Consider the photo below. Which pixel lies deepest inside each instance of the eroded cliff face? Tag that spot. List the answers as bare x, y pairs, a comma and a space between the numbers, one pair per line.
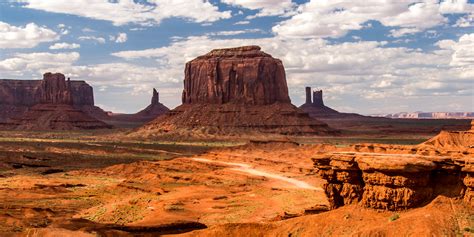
50, 106
400, 177
238, 75
31, 92
55, 89
234, 91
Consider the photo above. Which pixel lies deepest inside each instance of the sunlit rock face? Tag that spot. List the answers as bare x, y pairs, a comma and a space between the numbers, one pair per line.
234, 91
244, 75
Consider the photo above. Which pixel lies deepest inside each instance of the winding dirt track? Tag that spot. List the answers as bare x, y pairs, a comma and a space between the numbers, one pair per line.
242, 167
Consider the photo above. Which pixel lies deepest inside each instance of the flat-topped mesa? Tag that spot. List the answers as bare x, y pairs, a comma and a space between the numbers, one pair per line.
243, 75
53, 103
250, 51
31, 92
55, 89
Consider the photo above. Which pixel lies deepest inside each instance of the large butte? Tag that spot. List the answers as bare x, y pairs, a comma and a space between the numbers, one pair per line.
235, 90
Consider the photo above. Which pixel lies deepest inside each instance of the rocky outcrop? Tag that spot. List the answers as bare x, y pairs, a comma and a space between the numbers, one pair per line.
450, 142
31, 92
393, 182
153, 110
149, 113
55, 89
235, 90
16, 96
400, 177
237, 75
315, 107
54, 117
55, 108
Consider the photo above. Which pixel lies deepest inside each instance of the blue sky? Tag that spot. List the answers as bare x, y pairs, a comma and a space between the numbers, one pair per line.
368, 56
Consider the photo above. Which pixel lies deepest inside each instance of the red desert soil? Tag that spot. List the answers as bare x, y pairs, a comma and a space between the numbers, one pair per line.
258, 189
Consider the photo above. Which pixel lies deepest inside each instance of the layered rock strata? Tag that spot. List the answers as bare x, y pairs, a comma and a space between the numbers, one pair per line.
232, 90
16, 96
55, 109
394, 181
243, 75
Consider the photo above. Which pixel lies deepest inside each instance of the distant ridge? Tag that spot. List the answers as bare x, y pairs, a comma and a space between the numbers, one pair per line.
429, 115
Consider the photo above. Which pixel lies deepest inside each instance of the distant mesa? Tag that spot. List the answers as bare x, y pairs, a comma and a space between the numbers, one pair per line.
429, 115
232, 90
47, 104
16, 96
314, 106
22, 100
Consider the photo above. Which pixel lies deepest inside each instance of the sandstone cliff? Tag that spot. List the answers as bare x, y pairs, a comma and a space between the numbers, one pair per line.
235, 90
53, 108
400, 177
30, 92
238, 75
16, 96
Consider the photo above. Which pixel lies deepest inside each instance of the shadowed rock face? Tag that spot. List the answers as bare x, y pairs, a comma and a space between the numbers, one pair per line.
55, 89
239, 75
51, 105
31, 92
155, 99
314, 106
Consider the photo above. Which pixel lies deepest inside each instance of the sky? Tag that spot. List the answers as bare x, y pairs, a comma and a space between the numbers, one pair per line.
369, 57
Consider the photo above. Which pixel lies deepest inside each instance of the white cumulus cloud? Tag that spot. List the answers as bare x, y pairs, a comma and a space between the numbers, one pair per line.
265, 7
122, 12
64, 46
322, 18
99, 40
121, 38
28, 36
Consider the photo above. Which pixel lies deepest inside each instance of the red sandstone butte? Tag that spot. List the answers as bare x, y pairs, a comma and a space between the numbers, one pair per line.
54, 108
16, 96
238, 75
235, 89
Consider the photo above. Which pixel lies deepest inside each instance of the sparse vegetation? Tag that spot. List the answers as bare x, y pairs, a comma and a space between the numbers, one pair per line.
394, 217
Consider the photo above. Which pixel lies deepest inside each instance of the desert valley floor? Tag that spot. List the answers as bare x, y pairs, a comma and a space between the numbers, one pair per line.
104, 182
